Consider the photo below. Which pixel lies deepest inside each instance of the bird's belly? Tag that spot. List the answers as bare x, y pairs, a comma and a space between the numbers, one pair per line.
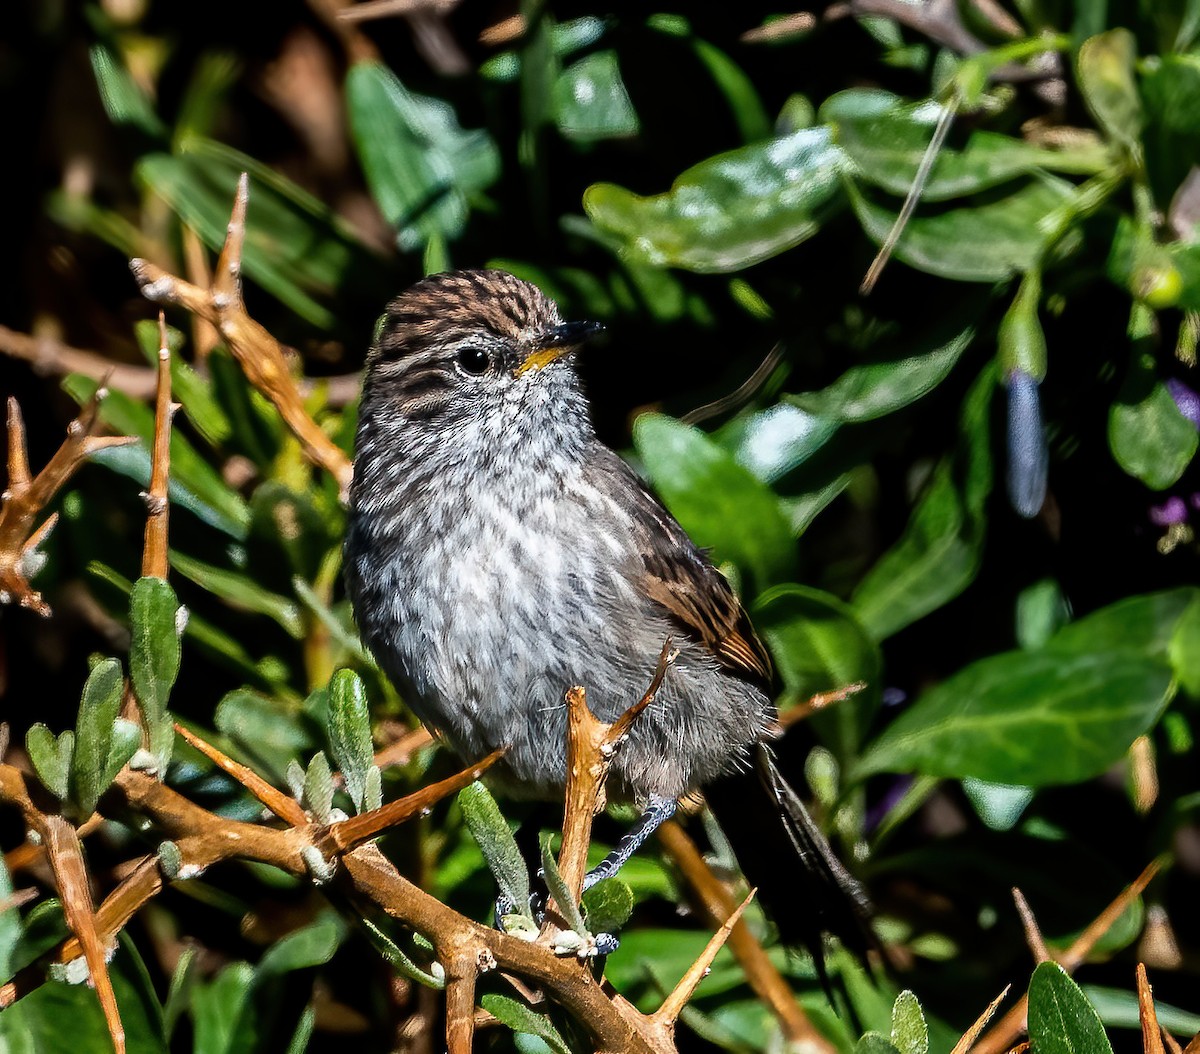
489, 628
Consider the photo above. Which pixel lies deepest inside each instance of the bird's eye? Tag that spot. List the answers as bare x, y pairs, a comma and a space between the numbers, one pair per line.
474, 360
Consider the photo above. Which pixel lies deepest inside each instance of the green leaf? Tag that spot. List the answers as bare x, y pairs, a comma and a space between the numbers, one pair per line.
1150, 439
520, 1018
608, 905
311, 945
886, 138
1027, 718
195, 484
1061, 1020
51, 757
1105, 68
999, 805
1184, 649
557, 888
818, 645
1118, 1008
864, 393
296, 248
124, 101
1041, 610
489, 828
775, 441
590, 100
126, 741
154, 654
939, 553
241, 592
350, 733
318, 788
989, 242
875, 1043
1142, 626
98, 710
222, 1012
719, 503
729, 211
266, 729
396, 957
420, 164
910, 1034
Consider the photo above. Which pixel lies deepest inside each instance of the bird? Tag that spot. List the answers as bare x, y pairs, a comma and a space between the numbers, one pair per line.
498, 552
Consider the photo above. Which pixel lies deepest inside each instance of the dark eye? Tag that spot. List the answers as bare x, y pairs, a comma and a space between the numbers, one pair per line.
474, 360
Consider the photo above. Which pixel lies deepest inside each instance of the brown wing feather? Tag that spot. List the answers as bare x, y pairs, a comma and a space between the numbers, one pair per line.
695, 594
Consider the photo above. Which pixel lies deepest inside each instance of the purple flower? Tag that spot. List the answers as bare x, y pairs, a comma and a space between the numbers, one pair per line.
1186, 399
1027, 456
1173, 510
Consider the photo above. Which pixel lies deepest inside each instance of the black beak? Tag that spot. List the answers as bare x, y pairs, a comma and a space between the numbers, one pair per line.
568, 335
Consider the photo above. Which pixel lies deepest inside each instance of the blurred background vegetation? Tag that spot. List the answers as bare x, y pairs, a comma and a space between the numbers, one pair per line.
969, 488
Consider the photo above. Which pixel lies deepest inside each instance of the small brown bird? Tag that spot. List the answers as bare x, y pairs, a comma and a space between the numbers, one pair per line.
499, 553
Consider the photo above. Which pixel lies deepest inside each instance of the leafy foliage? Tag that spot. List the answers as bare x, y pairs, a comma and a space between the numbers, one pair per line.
972, 490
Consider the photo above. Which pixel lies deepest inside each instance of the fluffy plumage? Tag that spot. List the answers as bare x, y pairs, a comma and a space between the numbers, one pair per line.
499, 553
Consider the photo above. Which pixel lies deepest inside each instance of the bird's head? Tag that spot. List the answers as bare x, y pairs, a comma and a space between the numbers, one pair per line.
472, 345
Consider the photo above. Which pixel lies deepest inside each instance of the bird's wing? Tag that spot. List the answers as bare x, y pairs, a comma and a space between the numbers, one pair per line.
680, 578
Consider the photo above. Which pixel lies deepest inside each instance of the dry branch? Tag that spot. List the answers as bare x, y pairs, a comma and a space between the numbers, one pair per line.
718, 904
259, 354
968, 1038
26, 496
154, 545
1002, 1037
1152, 1040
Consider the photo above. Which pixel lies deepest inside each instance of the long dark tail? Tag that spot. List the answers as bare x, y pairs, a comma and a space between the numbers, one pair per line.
801, 884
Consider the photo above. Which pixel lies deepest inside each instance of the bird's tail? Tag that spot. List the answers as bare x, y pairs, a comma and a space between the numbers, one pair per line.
801, 884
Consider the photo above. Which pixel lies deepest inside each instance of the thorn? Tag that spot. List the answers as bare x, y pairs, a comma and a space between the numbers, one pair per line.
18, 455
968, 1038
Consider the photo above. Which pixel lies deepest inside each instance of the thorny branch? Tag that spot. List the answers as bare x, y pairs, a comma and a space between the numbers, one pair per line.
27, 495
259, 354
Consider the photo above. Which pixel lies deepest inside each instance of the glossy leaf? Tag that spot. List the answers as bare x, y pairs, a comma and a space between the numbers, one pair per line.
719, 503
886, 138
939, 553
311, 945
1028, 718
265, 729
491, 831
1150, 439
774, 441
866, 392
988, 242
350, 733
729, 211
419, 162
590, 100
154, 654
1143, 626
1184, 649
1118, 1008
1061, 1020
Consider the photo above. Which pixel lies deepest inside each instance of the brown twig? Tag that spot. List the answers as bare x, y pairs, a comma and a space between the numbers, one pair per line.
346, 834
718, 905
1152, 1041
1033, 932
26, 496
460, 1005
154, 545
968, 1038
259, 354
1002, 1036
803, 711
668, 1013
53, 358
283, 806
70, 873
